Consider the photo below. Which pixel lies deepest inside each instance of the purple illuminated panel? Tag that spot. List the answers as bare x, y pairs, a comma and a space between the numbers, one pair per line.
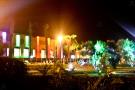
4, 37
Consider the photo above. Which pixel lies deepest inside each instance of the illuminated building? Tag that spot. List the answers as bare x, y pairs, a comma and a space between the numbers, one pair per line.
4, 43
38, 47
24, 46
53, 48
21, 45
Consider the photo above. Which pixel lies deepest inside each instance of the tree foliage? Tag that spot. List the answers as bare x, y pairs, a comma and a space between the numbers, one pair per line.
126, 48
70, 44
86, 48
99, 47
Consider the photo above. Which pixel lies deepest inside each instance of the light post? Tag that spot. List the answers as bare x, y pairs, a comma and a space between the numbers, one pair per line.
60, 49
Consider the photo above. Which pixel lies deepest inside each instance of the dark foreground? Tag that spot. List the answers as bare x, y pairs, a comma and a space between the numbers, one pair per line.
67, 83
14, 76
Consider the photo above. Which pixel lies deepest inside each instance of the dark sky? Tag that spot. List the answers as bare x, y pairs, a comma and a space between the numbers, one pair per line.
89, 19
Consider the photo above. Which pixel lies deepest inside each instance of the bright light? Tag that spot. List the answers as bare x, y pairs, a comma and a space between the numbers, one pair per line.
70, 67
26, 62
60, 38
72, 56
113, 72
60, 46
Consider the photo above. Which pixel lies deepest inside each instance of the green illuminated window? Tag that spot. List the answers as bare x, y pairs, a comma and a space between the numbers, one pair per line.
26, 53
17, 52
17, 40
27, 40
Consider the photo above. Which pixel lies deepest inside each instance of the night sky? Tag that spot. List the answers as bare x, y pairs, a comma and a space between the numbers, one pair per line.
89, 19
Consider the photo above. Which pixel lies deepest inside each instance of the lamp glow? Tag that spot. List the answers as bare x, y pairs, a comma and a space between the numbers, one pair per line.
60, 38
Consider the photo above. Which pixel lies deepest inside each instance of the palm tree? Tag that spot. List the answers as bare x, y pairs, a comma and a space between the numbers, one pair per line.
99, 47
126, 49
70, 44
86, 48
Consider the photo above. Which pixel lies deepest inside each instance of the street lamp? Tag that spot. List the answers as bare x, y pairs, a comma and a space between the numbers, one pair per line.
60, 49
60, 38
